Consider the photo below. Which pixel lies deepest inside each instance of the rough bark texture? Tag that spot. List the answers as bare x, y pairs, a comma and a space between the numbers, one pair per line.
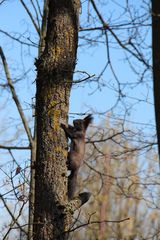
156, 63
55, 71
34, 146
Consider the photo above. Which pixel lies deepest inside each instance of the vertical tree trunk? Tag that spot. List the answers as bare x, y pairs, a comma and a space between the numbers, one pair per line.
34, 146
55, 72
156, 63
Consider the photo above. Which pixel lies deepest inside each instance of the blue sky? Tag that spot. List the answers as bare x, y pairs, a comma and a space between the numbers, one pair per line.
84, 97
92, 60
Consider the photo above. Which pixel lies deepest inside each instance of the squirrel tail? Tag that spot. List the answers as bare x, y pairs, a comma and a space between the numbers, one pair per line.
72, 182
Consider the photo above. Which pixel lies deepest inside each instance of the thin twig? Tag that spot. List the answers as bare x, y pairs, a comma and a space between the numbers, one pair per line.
43, 27
11, 214
17, 39
31, 17
97, 222
37, 17
14, 147
106, 27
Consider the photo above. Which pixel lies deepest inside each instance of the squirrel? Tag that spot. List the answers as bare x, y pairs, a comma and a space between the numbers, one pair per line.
77, 149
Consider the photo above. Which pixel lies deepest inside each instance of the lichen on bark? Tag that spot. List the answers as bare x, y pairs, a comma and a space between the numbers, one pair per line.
52, 217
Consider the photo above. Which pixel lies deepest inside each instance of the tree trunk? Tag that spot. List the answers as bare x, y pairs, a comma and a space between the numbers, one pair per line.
52, 217
34, 146
156, 63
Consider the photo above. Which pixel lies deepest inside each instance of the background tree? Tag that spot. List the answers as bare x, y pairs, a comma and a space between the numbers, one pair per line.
156, 61
123, 190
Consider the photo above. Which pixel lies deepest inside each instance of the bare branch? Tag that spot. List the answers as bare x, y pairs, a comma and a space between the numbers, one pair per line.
97, 222
15, 97
17, 39
11, 214
2, 1
106, 27
39, 9
31, 17
14, 147
43, 27
6, 193
36, 12
13, 223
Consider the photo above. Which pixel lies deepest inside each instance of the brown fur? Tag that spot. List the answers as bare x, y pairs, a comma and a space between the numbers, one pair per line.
77, 149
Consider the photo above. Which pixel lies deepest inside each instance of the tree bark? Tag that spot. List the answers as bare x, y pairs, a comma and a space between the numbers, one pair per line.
52, 217
34, 146
156, 64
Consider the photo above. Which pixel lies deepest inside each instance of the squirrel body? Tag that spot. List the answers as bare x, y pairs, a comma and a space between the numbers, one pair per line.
77, 149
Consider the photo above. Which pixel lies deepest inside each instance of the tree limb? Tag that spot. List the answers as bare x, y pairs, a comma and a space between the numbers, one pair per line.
97, 222
11, 214
106, 27
15, 97
14, 147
